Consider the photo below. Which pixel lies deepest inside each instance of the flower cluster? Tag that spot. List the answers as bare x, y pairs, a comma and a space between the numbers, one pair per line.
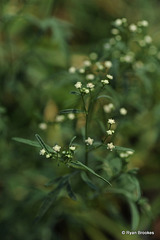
58, 154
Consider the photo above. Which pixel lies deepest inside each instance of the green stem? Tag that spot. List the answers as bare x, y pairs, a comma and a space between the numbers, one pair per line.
86, 130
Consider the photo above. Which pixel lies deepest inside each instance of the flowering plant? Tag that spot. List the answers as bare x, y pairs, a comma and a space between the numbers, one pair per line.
92, 154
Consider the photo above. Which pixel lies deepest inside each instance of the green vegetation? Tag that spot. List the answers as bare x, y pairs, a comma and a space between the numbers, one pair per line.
79, 119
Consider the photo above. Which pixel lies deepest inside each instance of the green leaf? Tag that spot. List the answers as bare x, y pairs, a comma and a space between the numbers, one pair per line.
80, 165
72, 140
42, 144
27, 141
86, 179
104, 96
52, 196
123, 149
134, 215
75, 93
71, 111
70, 191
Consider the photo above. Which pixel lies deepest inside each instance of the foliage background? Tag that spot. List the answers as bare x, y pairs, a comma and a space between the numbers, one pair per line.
39, 40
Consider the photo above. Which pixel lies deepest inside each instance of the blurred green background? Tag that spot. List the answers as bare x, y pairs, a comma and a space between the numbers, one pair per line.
39, 41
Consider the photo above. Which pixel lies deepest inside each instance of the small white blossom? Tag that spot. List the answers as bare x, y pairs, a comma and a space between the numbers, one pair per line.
59, 118
142, 43
108, 64
78, 85
48, 155
42, 152
81, 70
90, 85
118, 22
43, 126
108, 107
85, 90
118, 38
110, 146
133, 28
114, 31
148, 39
123, 155
89, 141
71, 116
143, 23
104, 81
57, 148
90, 76
111, 121
106, 46
99, 66
129, 152
72, 148
93, 56
109, 76
72, 70
123, 111
110, 132
87, 63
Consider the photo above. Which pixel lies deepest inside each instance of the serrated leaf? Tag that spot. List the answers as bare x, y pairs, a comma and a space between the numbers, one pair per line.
26, 141
71, 111
70, 192
80, 165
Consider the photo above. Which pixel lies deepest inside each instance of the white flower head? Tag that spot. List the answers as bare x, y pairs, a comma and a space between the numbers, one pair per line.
143, 23
105, 81
42, 152
85, 90
114, 31
123, 111
57, 148
90, 76
118, 38
72, 70
71, 116
90, 85
108, 107
48, 155
108, 64
89, 141
72, 148
148, 39
81, 70
111, 121
123, 155
99, 66
109, 76
133, 28
87, 63
107, 46
43, 126
110, 132
129, 152
93, 56
59, 118
78, 85
110, 146
118, 22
